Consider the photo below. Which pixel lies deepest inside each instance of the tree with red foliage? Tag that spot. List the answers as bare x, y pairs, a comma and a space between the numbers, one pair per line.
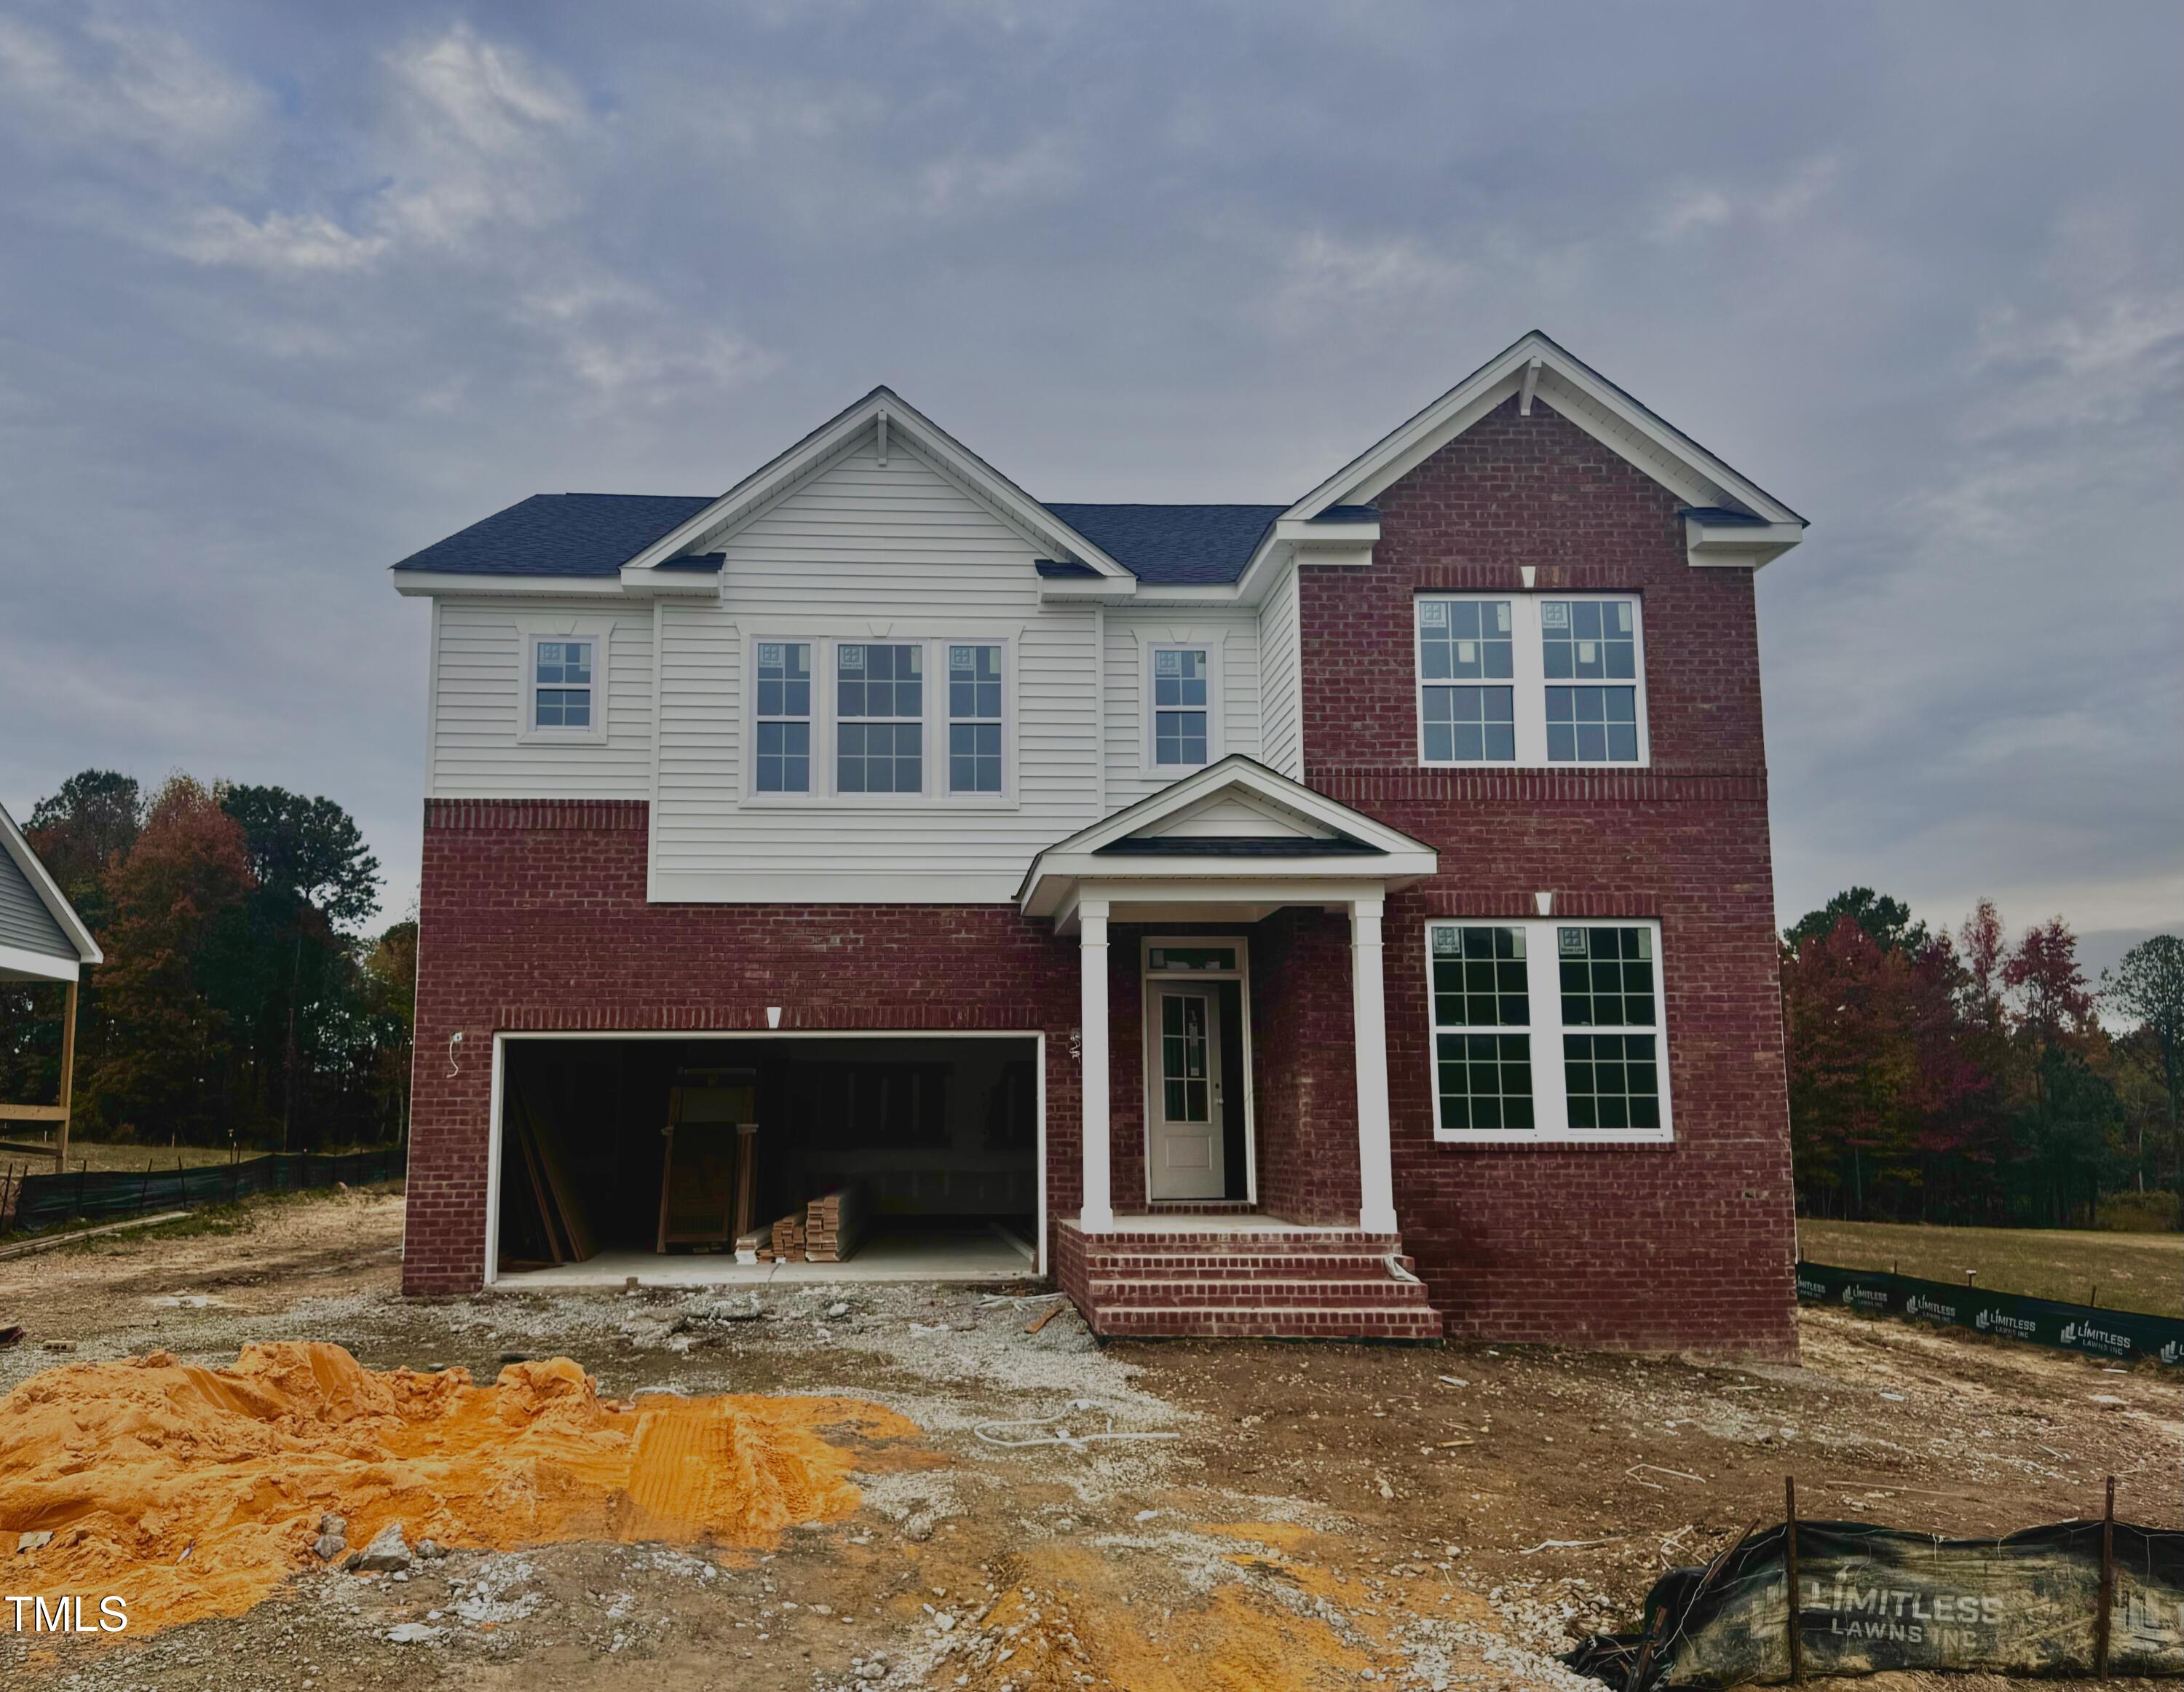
178, 899
1848, 1007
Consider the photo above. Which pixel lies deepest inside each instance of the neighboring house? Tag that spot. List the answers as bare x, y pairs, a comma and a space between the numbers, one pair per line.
1243, 904
42, 939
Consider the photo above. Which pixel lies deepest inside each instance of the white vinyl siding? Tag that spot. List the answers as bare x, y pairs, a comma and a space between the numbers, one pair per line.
482, 745
1232, 636
859, 552
1281, 679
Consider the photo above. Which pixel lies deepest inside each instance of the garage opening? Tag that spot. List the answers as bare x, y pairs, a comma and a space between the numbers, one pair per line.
705, 1160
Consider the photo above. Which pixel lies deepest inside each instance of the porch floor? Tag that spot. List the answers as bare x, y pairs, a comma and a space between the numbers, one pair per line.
888, 1255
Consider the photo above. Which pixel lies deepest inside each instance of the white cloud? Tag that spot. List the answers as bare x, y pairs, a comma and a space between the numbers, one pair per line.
1323, 277
277, 243
111, 81
1696, 208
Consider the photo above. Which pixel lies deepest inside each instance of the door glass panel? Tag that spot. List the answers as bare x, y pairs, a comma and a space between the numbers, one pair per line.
1185, 1085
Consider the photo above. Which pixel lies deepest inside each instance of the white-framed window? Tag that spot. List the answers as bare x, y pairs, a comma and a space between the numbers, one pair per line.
1531, 680
903, 721
565, 688
974, 718
1182, 703
784, 727
1547, 1030
879, 717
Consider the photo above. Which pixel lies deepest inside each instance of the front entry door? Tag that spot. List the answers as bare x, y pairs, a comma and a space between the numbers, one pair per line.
1186, 1111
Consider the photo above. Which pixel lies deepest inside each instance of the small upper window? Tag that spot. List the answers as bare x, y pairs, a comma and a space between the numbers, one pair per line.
974, 719
1180, 711
880, 719
561, 695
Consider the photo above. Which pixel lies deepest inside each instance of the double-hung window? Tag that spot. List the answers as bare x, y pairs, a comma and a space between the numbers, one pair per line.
974, 719
1531, 680
1182, 715
563, 697
1547, 1031
784, 717
1465, 648
879, 718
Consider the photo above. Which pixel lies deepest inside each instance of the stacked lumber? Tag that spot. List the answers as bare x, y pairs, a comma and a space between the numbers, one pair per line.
562, 1216
788, 1238
833, 1224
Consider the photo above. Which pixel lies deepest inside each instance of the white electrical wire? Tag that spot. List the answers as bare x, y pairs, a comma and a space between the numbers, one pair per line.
996, 1433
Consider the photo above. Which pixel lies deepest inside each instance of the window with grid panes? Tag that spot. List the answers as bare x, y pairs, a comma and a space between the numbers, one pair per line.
784, 717
1180, 721
561, 683
1596, 642
974, 719
1609, 1018
1464, 646
879, 711
1482, 1026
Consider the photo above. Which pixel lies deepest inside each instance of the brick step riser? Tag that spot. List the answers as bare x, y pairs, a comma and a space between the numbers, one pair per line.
1243, 1265
1249, 1324
1217, 1260
1242, 1274
1224, 1298
1243, 1287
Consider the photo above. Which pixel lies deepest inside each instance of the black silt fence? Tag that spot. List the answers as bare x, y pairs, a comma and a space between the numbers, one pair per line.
2120, 1336
43, 1201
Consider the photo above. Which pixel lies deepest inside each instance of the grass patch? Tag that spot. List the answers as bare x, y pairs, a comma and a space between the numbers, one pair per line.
2133, 1271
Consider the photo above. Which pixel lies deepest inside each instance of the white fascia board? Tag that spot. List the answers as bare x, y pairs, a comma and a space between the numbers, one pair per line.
1561, 375
1094, 590
678, 584
55, 901
1300, 532
1738, 546
19, 963
912, 428
1269, 890
416, 584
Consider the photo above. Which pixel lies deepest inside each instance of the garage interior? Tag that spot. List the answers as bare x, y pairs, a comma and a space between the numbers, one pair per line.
651, 1158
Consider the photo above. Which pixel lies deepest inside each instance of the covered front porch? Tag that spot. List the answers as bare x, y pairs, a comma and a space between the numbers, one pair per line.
1236, 1170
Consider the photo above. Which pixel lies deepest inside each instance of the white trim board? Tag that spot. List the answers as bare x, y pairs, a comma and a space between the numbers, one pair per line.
49, 894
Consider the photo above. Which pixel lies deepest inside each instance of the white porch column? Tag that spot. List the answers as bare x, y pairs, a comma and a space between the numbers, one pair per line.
1376, 1178
1097, 1216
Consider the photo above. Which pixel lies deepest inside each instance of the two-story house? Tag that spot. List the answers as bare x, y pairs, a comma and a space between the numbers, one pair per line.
1347, 917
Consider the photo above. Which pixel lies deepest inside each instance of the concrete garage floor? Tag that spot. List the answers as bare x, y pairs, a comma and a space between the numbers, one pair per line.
888, 1255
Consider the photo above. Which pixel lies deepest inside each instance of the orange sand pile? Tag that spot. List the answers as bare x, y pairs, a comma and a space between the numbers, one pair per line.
195, 1491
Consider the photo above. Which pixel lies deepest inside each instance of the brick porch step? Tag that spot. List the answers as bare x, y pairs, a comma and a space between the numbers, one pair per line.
1260, 1283
1418, 1323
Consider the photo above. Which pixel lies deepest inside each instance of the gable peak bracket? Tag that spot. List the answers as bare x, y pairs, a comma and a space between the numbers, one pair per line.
1531, 386
880, 422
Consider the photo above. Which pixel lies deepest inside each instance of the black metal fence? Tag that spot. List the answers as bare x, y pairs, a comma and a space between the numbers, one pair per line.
2120, 1336
30, 1202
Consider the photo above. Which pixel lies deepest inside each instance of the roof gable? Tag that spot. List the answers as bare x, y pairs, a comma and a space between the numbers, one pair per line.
1535, 365
41, 938
893, 424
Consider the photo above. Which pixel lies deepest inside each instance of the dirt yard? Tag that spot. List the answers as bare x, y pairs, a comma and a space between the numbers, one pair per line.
1325, 1517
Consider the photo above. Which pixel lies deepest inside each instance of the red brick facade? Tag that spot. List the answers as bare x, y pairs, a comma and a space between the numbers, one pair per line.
1682, 1246
534, 917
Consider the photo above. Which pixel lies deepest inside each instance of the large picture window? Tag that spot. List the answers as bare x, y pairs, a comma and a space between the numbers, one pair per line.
1531, 680
1546, 1030
899, 721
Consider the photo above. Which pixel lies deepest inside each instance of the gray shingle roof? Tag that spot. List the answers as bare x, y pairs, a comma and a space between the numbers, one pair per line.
559, 534
595, 534
1184, 544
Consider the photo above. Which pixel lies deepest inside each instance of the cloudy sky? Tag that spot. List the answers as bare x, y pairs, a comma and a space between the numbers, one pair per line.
288, 291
